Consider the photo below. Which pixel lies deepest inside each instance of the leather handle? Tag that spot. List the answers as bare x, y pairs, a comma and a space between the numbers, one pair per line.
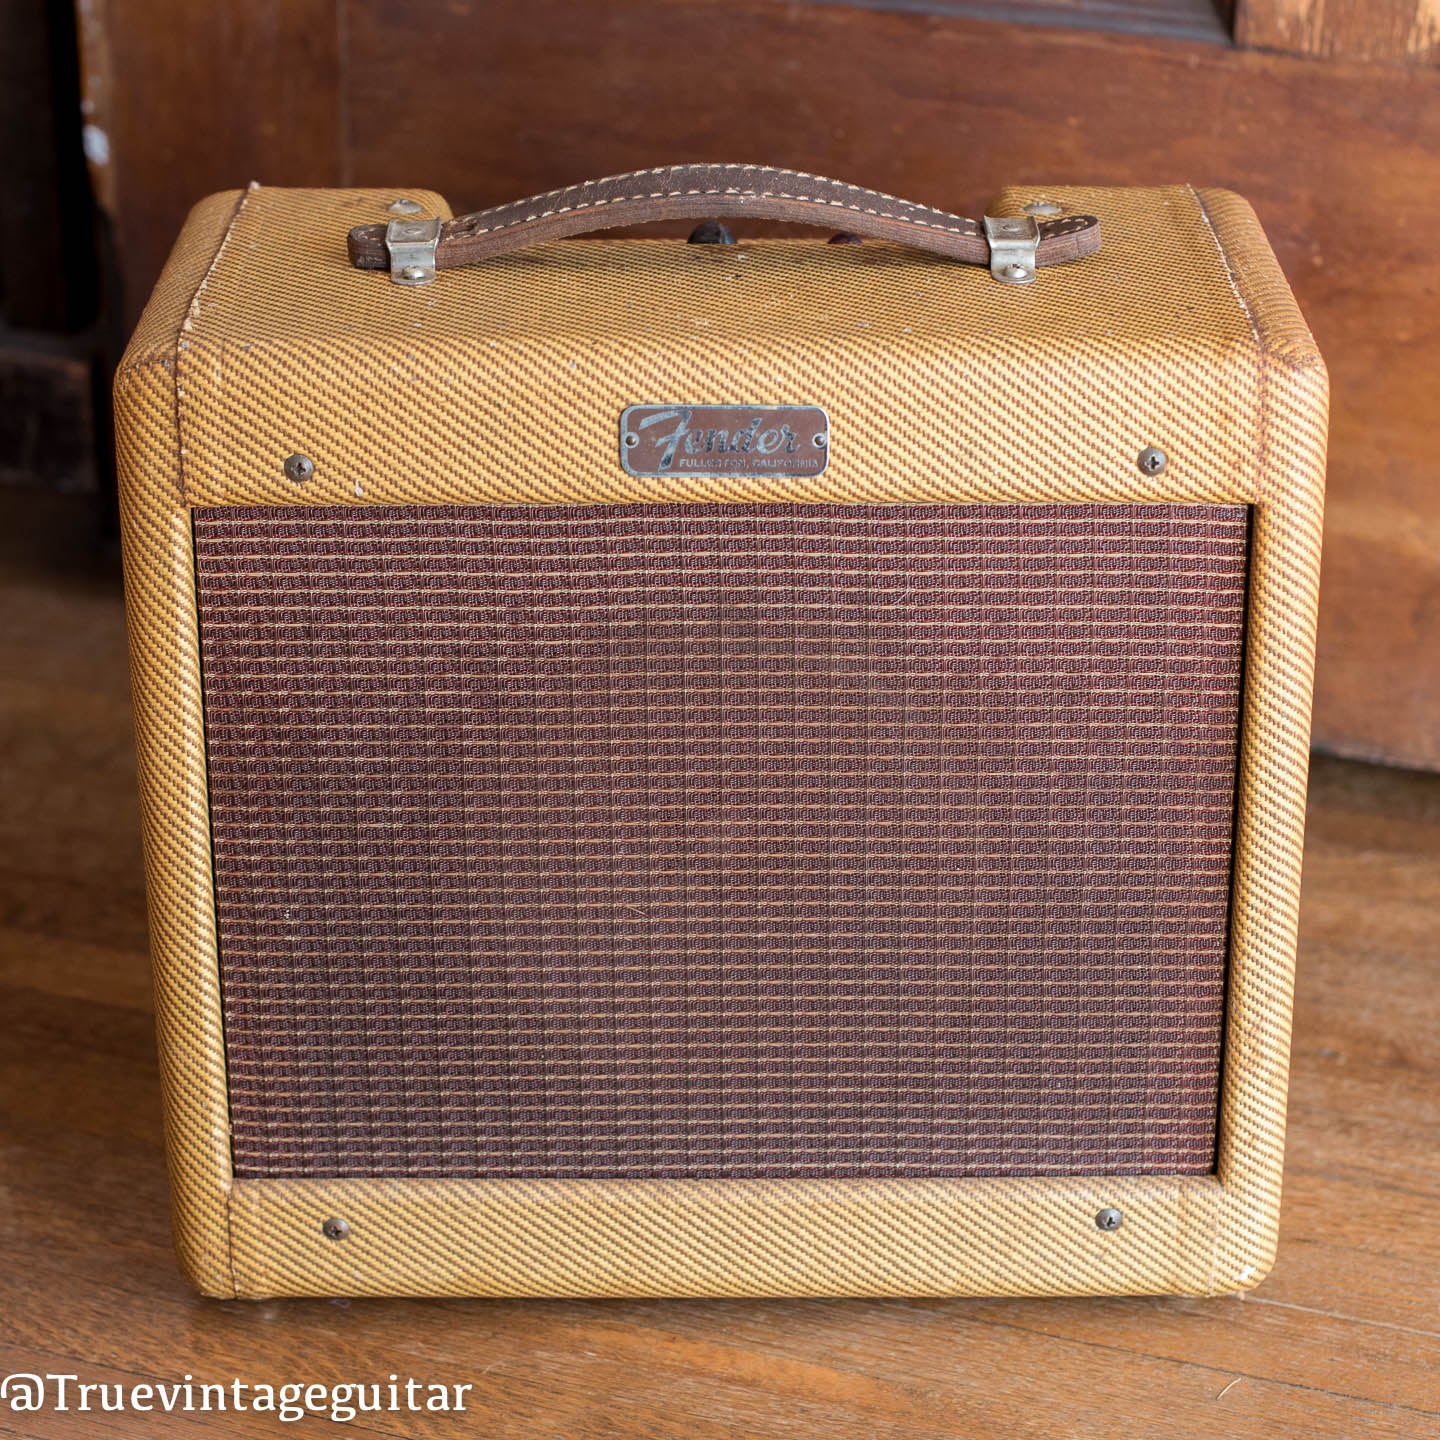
705, 192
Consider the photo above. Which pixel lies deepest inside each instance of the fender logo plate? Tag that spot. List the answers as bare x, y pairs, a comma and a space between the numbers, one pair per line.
723, 440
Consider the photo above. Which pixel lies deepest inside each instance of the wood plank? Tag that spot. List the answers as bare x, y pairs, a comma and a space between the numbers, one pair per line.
185, 99
1400, 30
1174, 19
29, 184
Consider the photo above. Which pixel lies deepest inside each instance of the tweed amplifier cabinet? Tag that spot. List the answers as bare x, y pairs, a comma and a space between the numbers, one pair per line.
760, 768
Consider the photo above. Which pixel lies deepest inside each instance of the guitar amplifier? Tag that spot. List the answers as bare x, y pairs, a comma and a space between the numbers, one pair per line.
764, 767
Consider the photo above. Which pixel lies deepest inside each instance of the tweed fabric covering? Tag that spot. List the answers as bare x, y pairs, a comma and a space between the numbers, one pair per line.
1225, 376
502, 383
702, 841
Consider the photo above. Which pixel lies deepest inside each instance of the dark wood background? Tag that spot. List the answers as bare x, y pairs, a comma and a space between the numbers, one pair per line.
1324, 113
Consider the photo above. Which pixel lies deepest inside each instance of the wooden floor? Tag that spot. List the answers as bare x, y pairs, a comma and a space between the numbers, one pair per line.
1342, 1340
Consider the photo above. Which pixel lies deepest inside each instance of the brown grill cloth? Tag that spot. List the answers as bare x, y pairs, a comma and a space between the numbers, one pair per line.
716, 840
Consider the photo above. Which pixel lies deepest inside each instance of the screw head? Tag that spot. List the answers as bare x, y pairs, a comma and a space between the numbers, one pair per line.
413, 272
1109, 1218
299, 468
631, 439
820, 440
1042, 207
1016, 272
404, 207
1152, 461
335, 1229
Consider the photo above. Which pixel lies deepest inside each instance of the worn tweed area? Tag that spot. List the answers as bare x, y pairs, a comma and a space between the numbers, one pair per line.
723, 841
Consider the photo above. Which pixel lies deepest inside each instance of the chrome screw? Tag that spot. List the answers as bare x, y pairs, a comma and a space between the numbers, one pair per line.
1151, 460
299, 468
1042, 207
335, 1229
1016, 272
404, 207
631, 440
820, 441
1109, 1218
414, 272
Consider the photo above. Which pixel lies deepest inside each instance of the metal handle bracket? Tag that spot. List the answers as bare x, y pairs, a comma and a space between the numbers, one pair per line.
1013, 243
411, 247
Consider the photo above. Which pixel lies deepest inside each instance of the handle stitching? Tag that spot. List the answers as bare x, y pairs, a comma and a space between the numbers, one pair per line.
768, 169
973, 231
